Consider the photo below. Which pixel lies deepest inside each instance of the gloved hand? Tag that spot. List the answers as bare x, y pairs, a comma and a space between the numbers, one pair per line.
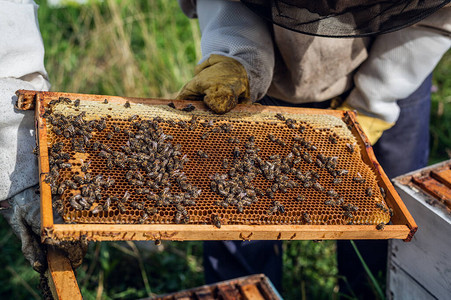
23, 214
373, 127
220, 81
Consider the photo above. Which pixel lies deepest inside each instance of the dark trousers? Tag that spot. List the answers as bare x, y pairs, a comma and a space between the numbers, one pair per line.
403, 148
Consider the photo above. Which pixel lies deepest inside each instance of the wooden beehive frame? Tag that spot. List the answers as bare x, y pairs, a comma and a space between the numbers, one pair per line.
403, 226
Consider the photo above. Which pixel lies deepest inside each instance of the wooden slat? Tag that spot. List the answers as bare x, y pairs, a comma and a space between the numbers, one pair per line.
45, 191
183, 232
228, 292
62, 280
251, 292
444, 176
435, 188
204, 293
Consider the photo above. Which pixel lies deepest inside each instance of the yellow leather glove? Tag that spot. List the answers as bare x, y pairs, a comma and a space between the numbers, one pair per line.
220, 82
373, 127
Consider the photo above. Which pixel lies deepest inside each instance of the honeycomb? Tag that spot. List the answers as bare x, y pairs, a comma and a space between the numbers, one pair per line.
201, 168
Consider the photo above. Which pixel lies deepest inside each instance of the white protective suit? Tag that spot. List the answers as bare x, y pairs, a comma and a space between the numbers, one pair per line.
299, 68
21, 67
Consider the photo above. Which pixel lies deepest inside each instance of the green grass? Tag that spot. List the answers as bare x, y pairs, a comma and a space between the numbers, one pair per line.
149, 49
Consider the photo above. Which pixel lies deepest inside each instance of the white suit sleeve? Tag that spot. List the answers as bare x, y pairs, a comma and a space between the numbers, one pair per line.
398, 63
231, 29
21, 67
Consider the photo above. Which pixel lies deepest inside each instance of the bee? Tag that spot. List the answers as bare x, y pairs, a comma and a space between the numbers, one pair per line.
65, 100
77, 102
57, 131
105, 101
332, 139
369, 192
318, 187
226, 127
85, 166
189, 108
95, 146
78, 179
279, 206
205, 135
332, 193
127, 104
72, 185
58, 205
216, 221
300, 197
143, 218
202, 154
251, 139
359, 178
382, 192
330, 202
133, 118
380, 226
307, 184
301, 128
97, 209
348, 214
98, 193
390, 211
337, 181
182, 124
320, 164
381, 206
54, 189
225, 163
280, 117
271, 137
306, 218
306, 156
236, 152
73, 202
106, 206
125, 197
343, 172
121, 207
171, 104
350, 148
270, 193
347, 118
104, 154
62, 187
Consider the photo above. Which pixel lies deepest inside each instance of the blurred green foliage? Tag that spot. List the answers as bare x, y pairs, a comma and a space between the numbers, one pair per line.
149, 49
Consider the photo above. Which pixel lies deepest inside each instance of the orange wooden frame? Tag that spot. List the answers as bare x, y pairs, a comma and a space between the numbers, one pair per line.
403, 225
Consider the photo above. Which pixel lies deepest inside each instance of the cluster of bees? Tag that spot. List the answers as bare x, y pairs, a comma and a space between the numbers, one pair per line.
152, 165
236, 186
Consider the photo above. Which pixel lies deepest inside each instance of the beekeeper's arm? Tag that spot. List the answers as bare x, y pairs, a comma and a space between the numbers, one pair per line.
22, 67
237, 55
398, 63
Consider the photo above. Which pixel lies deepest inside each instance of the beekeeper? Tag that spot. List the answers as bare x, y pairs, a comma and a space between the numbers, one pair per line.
22, 67
289, 53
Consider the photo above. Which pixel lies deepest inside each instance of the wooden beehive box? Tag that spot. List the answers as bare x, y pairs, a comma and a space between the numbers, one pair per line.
255, 287
316, 164
421, 269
